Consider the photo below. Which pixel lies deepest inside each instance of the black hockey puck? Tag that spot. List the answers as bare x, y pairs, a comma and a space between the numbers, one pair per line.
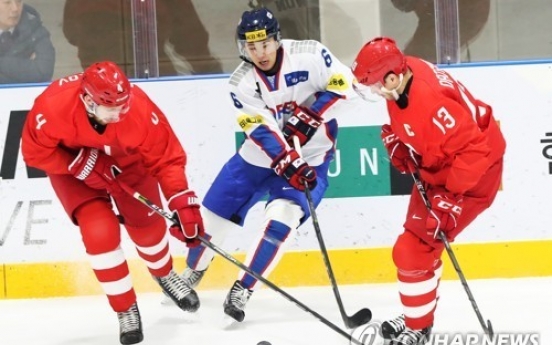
264, 342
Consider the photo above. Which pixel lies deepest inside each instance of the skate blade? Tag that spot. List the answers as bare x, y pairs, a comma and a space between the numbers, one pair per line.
166, 301
190, 318
229, 323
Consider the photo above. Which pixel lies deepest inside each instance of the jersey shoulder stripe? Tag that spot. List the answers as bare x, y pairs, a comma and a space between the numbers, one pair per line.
306, 46
239, 73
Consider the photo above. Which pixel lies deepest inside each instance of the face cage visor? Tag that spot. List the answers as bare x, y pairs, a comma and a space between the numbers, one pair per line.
376, 91
258, 44
107, 114
369, 93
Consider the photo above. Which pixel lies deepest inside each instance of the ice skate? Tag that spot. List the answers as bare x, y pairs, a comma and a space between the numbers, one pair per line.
235, 301
130, 326
412, 337
191, 278
179, 292
392, 328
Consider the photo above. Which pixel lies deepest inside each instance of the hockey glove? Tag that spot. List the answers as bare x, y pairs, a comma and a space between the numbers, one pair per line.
96, 169
303, 124
185, 207
445, 211
295, 170
400, 156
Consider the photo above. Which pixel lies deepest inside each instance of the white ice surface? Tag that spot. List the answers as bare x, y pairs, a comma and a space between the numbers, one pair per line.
512, 305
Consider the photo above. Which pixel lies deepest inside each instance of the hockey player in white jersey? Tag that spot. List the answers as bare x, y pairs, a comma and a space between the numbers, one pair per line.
283, 88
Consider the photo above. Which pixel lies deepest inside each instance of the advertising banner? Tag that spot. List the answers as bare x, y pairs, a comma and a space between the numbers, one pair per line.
366, 202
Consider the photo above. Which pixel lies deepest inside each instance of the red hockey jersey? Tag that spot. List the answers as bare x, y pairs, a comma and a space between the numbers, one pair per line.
455, 134
57, 127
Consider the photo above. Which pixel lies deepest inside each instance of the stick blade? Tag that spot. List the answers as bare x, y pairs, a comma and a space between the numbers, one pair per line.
360, 318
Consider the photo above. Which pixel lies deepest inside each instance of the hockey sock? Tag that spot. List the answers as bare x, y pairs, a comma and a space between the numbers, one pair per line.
281, 216
101, 237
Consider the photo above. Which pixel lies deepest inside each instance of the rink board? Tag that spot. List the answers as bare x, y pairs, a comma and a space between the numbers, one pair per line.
354, 266
361, 215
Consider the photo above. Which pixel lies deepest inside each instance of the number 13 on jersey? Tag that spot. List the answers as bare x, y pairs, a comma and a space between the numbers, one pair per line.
444, 120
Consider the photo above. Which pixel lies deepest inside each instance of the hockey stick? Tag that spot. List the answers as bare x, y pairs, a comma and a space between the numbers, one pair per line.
360, 317
487, 327
239, 264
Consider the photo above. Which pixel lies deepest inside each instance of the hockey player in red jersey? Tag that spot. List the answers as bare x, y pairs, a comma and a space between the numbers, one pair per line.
89, 132
452, 139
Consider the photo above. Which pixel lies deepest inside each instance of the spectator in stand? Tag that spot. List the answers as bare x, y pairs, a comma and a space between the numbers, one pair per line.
26, 51
102, 30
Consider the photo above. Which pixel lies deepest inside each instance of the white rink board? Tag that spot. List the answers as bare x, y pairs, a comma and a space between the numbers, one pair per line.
200, 113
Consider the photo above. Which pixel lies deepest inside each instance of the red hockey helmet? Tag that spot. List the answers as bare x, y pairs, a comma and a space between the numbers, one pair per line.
376, 59
106, 83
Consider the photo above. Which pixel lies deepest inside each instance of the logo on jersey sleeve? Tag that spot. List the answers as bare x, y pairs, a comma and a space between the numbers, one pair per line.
246, 121
337, 82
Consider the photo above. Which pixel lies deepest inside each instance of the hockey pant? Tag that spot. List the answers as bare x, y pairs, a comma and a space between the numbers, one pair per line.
100, 230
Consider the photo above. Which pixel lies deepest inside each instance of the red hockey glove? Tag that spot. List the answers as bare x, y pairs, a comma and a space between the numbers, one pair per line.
295, 170
185, 207
444, 213
400, 156
96, 169
303, 124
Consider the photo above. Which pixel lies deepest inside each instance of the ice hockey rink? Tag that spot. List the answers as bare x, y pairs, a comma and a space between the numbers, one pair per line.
512, 305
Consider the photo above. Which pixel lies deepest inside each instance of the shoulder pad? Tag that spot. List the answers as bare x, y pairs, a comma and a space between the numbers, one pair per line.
306, 46
239, 73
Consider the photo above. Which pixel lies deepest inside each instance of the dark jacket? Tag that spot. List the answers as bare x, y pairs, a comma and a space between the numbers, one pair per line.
31, 56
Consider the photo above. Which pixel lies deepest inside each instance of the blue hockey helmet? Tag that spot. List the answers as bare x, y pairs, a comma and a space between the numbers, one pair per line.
256, 26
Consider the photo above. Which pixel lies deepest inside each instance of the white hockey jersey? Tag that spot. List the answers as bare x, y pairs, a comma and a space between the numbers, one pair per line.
310, 76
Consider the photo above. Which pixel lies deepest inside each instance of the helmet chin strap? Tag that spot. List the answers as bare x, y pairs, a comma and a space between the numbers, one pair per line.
394, 92
90, 108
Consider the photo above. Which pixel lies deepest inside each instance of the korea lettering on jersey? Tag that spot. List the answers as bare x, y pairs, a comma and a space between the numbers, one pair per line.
309, 76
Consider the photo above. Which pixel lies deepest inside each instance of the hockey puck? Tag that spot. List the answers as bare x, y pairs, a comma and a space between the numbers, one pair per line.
264, 342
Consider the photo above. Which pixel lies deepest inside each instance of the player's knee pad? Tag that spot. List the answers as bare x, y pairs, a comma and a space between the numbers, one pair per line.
99, 226
412, 254
149, 235
152, 245
284, 211
216, 229
281, 216
215, 226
